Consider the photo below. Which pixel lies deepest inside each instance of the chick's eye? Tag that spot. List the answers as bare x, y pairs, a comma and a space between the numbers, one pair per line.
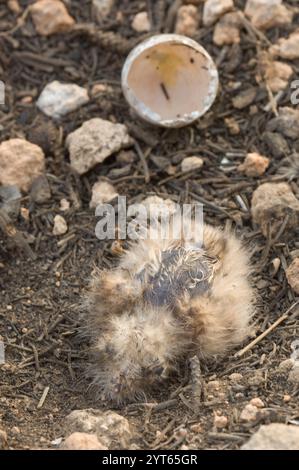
158, 370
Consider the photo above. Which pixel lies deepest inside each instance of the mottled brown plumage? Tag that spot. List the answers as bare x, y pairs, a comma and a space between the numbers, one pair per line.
166, 301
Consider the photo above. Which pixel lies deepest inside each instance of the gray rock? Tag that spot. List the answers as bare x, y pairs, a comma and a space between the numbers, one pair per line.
10, 200
287, 122
274, 436
271, 203
94, 141
58, 99
40, 190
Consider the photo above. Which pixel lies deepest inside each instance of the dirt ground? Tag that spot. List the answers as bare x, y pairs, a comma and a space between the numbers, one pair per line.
40, 299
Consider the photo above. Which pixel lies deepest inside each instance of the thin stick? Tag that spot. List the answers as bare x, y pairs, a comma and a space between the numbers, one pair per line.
266, 332
43, 397
141, 155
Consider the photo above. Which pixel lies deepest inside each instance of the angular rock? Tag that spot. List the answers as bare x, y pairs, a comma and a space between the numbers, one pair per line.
58, 99
287, 122
265, 14
274, 436
102, 192
111, 429
10, 200
254, 164
276, 143
191, 163
257, 402
292, 274
20, 163
94, 141
60, 226
187, 22
102, 8
40, 190
244, 98
250, 414
220, 422
214, 9
287, 48
227, 30
141, 22
277, 75
235, 377
271, 203
82, 441
51, 17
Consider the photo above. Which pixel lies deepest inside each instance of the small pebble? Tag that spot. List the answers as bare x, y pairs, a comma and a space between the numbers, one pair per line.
51, 17
220, 422
60, 226
141, 22
214, 9
188, 19
191, 163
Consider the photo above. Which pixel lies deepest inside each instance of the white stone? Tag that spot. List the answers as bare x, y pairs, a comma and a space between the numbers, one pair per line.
58, 99
274, 436
94, 141
102, 192
188, 19
20, 163
214, 9
64, 205
287, 48
191, 163
60, 225
227, 30
110, 428
82, 441
141, 22
102, 8
50, 17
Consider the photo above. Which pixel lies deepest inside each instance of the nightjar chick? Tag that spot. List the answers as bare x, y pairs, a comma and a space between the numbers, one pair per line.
168, 300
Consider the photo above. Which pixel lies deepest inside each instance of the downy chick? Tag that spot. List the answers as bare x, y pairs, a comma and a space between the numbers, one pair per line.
168, 300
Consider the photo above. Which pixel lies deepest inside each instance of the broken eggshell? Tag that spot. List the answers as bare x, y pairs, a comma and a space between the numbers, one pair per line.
169, 80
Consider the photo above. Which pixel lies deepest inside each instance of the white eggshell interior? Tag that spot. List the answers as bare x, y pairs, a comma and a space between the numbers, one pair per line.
170, 83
